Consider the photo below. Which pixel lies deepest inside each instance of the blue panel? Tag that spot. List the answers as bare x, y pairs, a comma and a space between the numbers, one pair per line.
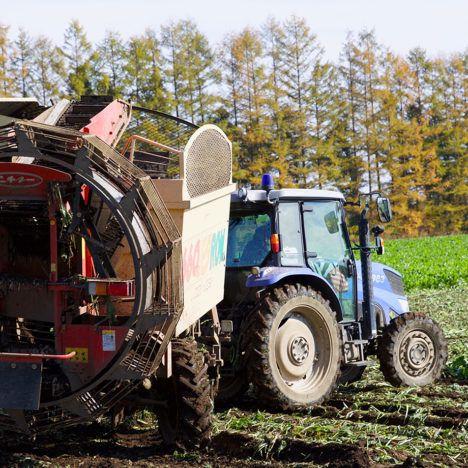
383, 293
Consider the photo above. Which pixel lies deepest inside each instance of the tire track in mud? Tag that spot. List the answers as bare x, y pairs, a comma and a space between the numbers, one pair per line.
423, 392
243, 448
387, 415
406, 407
395, 413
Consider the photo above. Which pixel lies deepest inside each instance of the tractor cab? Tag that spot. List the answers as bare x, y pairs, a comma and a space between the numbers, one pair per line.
292, 232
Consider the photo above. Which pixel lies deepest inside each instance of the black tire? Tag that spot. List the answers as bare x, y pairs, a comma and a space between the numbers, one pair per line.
412, 350
232, 387
295, 348
350, 374
187, 419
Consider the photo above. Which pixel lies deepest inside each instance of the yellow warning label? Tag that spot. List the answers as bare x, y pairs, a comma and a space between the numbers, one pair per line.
80, 356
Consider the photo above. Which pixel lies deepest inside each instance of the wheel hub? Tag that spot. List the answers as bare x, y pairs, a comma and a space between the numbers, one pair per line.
417, 353
294, 349
299, 350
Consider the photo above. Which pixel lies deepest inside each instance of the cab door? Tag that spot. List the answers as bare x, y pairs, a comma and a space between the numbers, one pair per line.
328, 250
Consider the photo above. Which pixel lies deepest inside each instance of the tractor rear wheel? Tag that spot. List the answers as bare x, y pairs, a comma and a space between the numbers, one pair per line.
232, 387
187, 419
295, 348
412, 350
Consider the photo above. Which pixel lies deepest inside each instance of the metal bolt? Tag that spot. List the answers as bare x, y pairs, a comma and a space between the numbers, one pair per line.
34, 366
299, 349
13, 365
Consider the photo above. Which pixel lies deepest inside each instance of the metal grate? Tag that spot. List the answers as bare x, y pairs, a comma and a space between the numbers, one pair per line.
396, 282
170, 133
207, 161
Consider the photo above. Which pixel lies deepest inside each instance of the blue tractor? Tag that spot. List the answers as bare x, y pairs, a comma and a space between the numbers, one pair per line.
305, 314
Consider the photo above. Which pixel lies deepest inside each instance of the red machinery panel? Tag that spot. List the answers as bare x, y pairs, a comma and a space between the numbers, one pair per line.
27, 181
94, 346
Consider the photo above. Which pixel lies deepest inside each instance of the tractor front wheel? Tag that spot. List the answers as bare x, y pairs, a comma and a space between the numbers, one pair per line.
294, 350
412, 350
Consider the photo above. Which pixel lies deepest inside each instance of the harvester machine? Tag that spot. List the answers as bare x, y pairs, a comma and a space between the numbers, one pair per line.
113, 232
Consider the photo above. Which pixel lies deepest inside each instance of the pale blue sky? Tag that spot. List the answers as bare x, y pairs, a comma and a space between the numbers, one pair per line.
439, 26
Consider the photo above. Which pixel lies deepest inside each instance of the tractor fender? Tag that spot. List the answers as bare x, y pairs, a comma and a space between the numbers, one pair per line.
270, 276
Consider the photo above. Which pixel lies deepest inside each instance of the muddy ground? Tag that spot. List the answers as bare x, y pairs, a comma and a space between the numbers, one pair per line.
90, 447
138, 444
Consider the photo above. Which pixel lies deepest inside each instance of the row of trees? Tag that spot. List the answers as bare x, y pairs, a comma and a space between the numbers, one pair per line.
372, 121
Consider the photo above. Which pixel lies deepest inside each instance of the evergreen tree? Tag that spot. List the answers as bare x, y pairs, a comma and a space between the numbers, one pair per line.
155, 95
350, 138
301, 52
280, 150
410, 163
137, 69
174, 68
23, 62
369, 59
6, 76
448, 209
109, 65
190, 69
77, 53
228, 113
244, 52
47, 70
324, 102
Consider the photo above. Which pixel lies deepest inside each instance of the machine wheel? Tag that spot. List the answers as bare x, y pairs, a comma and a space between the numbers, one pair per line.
232, 387
350, 374
295, 348
187, 420
412, 350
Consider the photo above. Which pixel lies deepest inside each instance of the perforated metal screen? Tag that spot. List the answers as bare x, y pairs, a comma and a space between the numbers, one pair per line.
207, 161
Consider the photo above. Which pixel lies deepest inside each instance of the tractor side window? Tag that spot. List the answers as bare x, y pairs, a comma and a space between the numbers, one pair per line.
292, 252
327, 249
248, 240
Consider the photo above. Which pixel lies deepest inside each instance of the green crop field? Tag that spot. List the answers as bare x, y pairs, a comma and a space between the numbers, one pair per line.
429, 262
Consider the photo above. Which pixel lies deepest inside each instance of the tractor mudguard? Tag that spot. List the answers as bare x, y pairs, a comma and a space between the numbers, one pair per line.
389, 293
271, 275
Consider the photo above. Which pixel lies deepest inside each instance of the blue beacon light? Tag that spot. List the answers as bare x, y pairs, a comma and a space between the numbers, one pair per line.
267, 182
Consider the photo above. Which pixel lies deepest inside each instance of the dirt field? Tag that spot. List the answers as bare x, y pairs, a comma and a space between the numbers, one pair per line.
366, 424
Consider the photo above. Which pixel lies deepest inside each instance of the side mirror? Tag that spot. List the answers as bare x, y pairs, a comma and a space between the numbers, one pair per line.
384, 209
331, 222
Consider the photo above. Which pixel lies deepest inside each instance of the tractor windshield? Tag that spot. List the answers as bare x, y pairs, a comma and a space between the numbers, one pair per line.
249, 239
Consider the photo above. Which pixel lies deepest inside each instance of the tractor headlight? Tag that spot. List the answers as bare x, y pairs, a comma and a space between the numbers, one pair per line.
404, 305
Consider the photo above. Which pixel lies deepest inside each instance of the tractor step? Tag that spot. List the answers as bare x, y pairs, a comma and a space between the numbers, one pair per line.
357, 342
360, 363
